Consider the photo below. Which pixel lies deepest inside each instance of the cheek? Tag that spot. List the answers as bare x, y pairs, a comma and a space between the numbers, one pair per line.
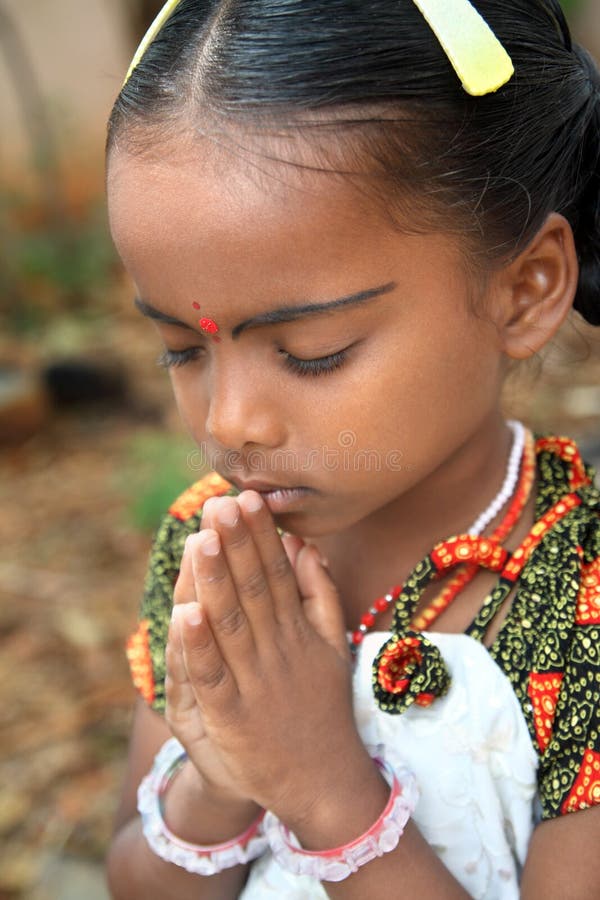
432, 382
441, 362
191, 402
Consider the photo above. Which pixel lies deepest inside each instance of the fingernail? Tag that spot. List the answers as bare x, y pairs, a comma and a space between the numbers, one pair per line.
320, 559
228, 513
191, 613
186, 612
209, 542
252, 501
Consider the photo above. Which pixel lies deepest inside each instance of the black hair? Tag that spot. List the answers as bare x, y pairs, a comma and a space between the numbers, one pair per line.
371, 75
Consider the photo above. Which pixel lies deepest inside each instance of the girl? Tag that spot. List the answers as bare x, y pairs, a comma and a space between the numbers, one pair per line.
347, 221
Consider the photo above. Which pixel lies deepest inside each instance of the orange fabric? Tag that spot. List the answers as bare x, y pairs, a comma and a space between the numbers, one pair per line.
543, 690
566, 449
140, 661
466, 548
588, 601
192, 500
519, 558
586, 790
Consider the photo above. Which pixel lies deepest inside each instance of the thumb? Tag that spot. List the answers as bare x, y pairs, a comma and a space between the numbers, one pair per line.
320, 599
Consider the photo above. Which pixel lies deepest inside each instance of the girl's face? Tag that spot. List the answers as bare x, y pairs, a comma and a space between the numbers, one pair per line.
412, 373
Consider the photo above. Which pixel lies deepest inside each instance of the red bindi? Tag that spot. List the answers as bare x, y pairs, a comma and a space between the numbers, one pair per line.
209, 326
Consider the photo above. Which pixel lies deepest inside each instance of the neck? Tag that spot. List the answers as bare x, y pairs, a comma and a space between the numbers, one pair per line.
388, 543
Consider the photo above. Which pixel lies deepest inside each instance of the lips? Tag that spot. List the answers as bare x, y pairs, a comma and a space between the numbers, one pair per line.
262, 487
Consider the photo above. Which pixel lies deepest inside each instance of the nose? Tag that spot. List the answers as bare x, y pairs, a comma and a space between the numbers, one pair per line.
243, 411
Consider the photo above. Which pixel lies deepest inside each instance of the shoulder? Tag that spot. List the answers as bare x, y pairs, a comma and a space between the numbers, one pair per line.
566, 696
146, 646
549, 647
184, 515
188, 506
182, 518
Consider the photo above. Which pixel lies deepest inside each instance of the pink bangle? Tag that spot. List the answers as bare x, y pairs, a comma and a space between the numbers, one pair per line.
337, 864
196, 858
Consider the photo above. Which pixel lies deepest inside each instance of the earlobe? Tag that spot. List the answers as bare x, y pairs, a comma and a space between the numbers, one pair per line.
538, 289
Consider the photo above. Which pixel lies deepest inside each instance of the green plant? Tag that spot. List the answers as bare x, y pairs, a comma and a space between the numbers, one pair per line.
571, 6
51, 266
156, 468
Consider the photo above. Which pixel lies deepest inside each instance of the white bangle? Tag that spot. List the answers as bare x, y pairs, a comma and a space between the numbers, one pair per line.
195, 858
337, 864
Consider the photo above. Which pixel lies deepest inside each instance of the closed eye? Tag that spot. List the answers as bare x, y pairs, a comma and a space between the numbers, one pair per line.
170, 359
320, 366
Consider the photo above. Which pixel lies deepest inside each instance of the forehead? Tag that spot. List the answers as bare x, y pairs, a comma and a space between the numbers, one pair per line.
247, 230
202, 205
193, 184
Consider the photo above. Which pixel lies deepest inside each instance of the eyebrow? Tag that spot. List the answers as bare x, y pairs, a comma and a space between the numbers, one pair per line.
275, 316
291, 313
151, 312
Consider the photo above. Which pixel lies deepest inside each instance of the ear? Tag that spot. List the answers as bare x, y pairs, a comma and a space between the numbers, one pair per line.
537, 289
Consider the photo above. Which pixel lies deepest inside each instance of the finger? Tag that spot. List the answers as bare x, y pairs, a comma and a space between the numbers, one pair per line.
185, 589
181, 701
206, 518
209, 676
276, 564
321, 601
292, 545
246, 567
219, 602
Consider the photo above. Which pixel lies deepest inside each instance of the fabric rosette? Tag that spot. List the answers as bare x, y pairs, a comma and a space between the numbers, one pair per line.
408, 669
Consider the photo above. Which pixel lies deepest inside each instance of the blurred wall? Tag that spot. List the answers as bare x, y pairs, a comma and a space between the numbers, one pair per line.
587, 26
79, 51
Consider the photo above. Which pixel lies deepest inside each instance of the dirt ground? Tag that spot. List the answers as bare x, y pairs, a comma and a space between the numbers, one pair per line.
72, 564
71, 571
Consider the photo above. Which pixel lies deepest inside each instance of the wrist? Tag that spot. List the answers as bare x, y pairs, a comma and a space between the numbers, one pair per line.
337, 863
348, 800
210, 856
201, 813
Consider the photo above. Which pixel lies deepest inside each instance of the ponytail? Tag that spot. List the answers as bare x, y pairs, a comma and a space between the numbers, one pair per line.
587, 224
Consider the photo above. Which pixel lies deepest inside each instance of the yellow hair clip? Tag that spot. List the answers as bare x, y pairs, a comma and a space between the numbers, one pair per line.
476, 54
165, 14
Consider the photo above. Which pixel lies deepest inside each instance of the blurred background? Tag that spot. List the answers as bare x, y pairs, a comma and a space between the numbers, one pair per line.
91, 448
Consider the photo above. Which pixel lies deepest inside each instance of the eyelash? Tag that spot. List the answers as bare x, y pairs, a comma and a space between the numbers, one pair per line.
324, 365
321, 366
172, 359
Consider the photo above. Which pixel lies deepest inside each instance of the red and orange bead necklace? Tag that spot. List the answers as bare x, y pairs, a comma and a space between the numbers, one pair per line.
467, 572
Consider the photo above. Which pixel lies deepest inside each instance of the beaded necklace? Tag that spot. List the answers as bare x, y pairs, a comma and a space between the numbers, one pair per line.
559, 558
523, 448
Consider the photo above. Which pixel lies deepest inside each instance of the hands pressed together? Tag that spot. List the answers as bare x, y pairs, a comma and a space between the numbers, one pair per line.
258, 669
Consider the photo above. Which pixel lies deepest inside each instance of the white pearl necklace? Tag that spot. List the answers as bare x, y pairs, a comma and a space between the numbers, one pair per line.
510, 480
504, 494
